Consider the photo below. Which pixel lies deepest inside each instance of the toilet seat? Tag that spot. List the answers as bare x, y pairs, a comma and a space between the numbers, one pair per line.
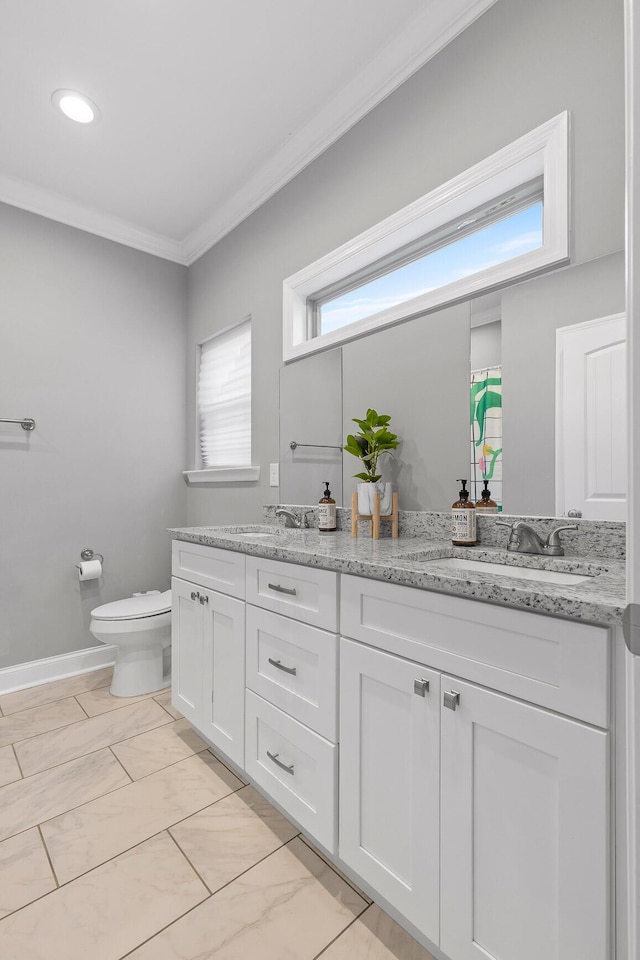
134, 608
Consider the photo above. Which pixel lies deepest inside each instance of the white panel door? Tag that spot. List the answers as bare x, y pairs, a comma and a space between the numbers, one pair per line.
186, 650
591, 419
389, 773
223, 673
525, 831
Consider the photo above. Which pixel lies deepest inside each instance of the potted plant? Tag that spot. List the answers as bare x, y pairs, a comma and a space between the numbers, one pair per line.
373, 440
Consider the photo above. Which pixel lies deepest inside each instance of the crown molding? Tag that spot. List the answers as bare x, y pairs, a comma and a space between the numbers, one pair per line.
55, 206
422, 38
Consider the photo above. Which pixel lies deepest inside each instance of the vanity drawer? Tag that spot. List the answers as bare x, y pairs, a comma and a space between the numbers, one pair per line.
221, 570
294, 766
294, 666
548, 661
303, 593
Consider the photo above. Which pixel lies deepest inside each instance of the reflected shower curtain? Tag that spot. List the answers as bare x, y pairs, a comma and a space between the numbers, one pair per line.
486, 433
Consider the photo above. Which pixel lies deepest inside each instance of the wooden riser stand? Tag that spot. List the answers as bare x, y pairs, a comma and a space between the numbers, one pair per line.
374, 519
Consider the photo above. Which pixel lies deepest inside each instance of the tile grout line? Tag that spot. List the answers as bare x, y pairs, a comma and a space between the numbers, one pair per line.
342, 932
164, 723
47, 702
212, 896
137, 844
19, 765
197, 872
46, 850
43, 733
75, 697
343, 876
117, 758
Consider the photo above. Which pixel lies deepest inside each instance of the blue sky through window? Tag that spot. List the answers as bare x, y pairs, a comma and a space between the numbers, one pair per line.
501, 241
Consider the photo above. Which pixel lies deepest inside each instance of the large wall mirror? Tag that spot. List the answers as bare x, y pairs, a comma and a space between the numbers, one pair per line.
420, 372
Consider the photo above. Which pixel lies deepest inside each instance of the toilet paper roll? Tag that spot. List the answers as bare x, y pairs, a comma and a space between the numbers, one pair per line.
89, 570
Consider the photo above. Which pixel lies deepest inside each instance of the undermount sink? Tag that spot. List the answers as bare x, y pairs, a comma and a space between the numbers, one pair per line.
253, 531
509, 570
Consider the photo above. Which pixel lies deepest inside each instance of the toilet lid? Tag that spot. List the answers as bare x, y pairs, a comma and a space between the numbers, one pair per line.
134, 607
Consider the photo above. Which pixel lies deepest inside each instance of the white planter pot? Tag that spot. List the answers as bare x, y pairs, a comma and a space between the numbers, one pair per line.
366, 493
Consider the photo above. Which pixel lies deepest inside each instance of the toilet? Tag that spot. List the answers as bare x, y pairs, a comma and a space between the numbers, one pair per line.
140, 629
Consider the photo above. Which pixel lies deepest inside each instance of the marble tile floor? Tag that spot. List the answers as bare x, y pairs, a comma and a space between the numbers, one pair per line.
121, 835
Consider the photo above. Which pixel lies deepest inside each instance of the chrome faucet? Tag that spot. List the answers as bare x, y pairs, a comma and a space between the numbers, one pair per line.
524, 539
290, 519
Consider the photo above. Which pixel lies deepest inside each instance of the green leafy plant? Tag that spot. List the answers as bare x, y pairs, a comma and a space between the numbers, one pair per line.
372, 441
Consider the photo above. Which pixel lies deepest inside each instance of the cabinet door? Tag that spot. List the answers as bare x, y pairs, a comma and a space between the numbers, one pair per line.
389, 779
222, 666
186, 650
524, 853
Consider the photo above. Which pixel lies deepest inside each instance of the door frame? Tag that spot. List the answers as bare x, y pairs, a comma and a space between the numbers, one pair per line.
632, 663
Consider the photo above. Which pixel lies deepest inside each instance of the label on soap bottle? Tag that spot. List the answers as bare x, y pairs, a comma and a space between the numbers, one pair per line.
463, 526
327, 516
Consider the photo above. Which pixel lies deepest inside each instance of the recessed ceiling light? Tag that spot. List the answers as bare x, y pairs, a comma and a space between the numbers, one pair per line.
76, 106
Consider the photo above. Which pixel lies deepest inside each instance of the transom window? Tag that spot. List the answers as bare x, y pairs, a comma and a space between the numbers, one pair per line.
503, 219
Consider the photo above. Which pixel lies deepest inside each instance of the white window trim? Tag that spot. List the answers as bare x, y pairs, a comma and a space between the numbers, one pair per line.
544, 151
230, 474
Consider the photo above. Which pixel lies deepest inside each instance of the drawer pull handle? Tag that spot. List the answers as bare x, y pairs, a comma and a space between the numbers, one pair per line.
279, 763
279, 589
203, 599
421, 687
451, 699
194, 595
276, 663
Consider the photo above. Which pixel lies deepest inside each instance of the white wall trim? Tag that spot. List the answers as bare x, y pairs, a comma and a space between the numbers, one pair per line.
54, 206
32, 674
223, 475
541, 151
423, 36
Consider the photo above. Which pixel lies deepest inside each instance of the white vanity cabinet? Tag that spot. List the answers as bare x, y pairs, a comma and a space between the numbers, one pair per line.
207, 638
390, 779
524, 831
494, 803
291, 702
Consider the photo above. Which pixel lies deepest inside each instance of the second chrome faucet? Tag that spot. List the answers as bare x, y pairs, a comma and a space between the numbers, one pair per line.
524, 539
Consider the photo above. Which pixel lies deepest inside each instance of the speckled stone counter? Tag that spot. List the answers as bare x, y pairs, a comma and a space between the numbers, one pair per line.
412, 561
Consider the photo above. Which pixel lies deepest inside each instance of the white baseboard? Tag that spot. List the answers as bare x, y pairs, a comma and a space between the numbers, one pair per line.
56, 668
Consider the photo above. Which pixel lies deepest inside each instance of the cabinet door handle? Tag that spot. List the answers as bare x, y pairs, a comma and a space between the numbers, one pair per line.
194, 595
279, 589
276, 663
204, 599
451, 699
421, 687
279, 763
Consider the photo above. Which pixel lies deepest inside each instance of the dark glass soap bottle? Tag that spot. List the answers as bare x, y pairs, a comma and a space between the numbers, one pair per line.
326, 511
463, 519
485, 503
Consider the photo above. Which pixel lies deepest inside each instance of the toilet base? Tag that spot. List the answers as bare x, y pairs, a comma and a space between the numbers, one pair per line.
137, 672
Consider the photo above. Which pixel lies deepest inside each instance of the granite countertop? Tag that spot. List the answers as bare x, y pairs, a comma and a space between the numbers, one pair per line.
412, 561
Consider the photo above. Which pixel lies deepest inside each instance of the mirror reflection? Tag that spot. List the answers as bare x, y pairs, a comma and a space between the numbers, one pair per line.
486, 390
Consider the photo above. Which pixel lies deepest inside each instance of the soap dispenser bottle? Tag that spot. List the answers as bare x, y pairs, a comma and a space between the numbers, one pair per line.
326, 511
485, 503
463, 516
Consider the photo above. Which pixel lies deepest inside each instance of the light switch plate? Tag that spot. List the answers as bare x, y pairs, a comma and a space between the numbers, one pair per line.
274, 474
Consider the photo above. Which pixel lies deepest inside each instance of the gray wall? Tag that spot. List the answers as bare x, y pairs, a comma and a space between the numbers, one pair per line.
531, 314
398, 373
93, 348
517, 66
311, 413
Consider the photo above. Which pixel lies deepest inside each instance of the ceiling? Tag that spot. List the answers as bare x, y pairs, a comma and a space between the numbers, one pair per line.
208, 106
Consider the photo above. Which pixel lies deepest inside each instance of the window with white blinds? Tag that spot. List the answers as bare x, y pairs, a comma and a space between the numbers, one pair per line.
224, 399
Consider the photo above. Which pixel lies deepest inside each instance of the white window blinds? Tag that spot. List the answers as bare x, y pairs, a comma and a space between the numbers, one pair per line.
224, 398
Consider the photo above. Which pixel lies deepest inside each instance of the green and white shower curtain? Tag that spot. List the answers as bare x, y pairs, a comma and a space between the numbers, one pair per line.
486, 432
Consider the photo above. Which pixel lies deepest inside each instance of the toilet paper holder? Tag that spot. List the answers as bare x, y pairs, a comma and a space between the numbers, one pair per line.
88, 554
